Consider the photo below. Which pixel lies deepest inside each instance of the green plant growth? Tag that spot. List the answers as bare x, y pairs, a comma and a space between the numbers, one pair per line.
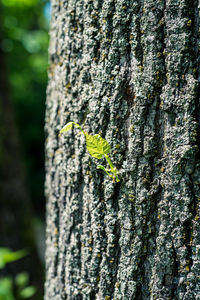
21, 280
97, 148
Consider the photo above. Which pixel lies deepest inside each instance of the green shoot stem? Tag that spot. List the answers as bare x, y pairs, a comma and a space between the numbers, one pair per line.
113, 169
79, 127
109, 161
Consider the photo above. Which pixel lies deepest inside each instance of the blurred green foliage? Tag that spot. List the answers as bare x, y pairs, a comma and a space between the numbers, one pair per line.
25, 43
20, 3
7, 256
7, 284
6, 288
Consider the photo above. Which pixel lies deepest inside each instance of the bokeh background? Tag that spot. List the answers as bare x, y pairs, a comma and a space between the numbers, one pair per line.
24, 28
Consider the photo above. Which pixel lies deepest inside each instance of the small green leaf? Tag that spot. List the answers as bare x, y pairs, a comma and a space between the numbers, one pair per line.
105, 170
97, 146
67, 127
27, 292
101, 167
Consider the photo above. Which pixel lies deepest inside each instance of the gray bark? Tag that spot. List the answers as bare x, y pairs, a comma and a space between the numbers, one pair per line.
128, 70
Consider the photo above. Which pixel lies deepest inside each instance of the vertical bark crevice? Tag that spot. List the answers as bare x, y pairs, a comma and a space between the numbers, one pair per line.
117, 251
139, 49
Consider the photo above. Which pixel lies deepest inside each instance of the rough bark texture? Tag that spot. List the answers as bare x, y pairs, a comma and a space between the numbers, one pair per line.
129, 71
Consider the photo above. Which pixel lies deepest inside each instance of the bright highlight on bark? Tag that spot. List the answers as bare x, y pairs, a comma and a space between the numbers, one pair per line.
97, 148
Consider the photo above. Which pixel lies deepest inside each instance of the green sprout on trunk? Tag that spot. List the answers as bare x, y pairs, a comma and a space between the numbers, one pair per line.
97, 148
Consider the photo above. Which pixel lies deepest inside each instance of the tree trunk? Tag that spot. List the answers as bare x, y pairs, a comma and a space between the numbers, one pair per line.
128, 70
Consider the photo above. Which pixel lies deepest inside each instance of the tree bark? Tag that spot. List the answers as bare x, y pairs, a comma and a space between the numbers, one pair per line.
128, 70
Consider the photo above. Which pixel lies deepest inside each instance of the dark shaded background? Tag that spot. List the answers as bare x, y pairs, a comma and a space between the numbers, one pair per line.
23, 79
